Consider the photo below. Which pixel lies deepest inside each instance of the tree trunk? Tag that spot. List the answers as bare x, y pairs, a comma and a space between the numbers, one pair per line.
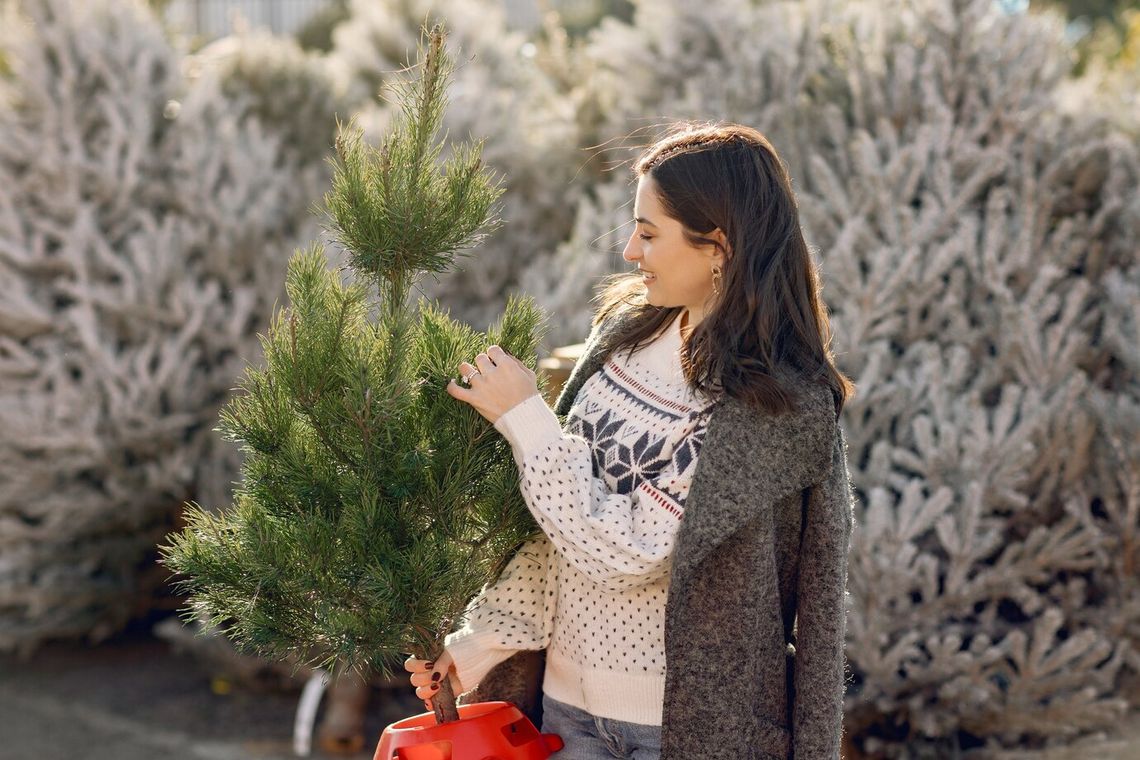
444, 702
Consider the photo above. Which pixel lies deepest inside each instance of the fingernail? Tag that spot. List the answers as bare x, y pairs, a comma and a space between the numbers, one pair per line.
434, 686
435, 676
429, 665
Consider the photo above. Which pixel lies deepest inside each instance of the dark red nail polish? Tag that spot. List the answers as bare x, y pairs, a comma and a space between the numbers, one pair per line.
434, 686
435, 676
429, 665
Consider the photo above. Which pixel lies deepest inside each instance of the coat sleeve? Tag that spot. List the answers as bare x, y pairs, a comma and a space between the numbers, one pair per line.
819, 675
515, 613
619, 541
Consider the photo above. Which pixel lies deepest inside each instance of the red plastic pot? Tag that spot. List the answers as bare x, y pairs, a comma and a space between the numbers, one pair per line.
484, 731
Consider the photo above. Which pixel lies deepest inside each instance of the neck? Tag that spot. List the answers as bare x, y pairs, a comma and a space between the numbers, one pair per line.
689, 322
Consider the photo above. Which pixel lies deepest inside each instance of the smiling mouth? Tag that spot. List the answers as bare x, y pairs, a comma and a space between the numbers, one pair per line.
648, 275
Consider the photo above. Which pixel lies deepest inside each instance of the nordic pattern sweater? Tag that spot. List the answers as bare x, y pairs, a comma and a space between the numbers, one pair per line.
608, 488
755, 620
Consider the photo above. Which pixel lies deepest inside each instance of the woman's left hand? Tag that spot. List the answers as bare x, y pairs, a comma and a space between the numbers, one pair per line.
501, 382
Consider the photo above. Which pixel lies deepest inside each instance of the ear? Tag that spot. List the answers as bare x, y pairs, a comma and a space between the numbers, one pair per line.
722, 252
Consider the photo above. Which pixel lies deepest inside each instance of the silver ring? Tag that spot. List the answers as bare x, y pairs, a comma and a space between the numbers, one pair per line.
467, 378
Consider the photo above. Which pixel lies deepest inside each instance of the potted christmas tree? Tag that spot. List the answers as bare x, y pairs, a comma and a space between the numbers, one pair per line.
373, 506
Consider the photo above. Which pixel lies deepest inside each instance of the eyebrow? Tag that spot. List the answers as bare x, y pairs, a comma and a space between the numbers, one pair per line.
643, 220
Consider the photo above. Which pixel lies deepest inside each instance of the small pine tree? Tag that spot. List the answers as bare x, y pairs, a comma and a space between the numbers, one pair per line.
372, 506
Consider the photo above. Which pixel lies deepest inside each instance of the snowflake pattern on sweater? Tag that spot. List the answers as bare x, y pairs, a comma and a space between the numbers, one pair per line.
649, 439
609, 492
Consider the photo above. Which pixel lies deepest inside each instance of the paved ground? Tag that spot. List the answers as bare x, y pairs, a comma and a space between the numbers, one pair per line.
133, 698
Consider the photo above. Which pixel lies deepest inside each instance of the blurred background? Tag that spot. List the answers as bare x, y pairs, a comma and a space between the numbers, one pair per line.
966, 175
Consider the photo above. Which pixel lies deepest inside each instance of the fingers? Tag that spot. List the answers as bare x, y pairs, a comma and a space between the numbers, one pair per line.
428, 683
483, 362
423, 678
431, 688
486, 362
426, 680
469, 369
415, 665
498, 355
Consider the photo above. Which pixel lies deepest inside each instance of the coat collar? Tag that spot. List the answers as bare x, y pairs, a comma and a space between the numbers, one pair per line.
748, 461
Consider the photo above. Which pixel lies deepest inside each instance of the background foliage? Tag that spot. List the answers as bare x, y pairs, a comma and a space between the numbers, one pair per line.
966, 176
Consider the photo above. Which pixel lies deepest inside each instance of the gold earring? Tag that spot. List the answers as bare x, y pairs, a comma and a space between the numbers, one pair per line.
716, 279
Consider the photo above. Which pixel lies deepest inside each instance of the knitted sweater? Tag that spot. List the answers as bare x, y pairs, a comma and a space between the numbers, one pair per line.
609, 491
754, 622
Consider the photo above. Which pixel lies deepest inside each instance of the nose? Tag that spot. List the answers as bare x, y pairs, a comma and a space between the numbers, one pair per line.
631, 253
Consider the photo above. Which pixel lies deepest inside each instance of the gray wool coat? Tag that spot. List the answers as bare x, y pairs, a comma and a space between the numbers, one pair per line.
755, 617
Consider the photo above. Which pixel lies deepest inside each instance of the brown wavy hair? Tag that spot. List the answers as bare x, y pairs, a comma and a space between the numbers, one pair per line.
769, 311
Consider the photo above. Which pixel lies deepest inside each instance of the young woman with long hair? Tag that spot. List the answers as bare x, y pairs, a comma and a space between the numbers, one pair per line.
688, 597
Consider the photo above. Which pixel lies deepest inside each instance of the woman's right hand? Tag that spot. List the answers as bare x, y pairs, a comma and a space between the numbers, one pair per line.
426, 675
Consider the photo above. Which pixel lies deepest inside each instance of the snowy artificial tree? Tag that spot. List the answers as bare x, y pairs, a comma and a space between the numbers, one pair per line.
978, 248
142, 225
373, 506
974, 234
271, 78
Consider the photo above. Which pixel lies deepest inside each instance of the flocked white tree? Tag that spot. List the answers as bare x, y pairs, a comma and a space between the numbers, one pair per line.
971, 233
144, 228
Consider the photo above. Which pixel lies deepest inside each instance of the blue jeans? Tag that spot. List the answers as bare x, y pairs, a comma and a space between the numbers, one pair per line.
591, 738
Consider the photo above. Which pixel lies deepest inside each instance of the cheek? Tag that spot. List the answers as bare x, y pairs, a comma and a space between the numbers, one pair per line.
696, 279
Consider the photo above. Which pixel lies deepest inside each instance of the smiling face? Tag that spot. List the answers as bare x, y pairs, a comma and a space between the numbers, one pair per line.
681, 273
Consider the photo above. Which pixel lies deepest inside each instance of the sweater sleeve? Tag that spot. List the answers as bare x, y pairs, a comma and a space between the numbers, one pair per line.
619, 541
821, 614
513, 614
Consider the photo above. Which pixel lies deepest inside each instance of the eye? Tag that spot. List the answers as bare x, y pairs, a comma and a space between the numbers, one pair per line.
643, 236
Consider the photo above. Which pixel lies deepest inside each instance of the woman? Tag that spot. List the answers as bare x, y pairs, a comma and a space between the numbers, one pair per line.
689, 593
